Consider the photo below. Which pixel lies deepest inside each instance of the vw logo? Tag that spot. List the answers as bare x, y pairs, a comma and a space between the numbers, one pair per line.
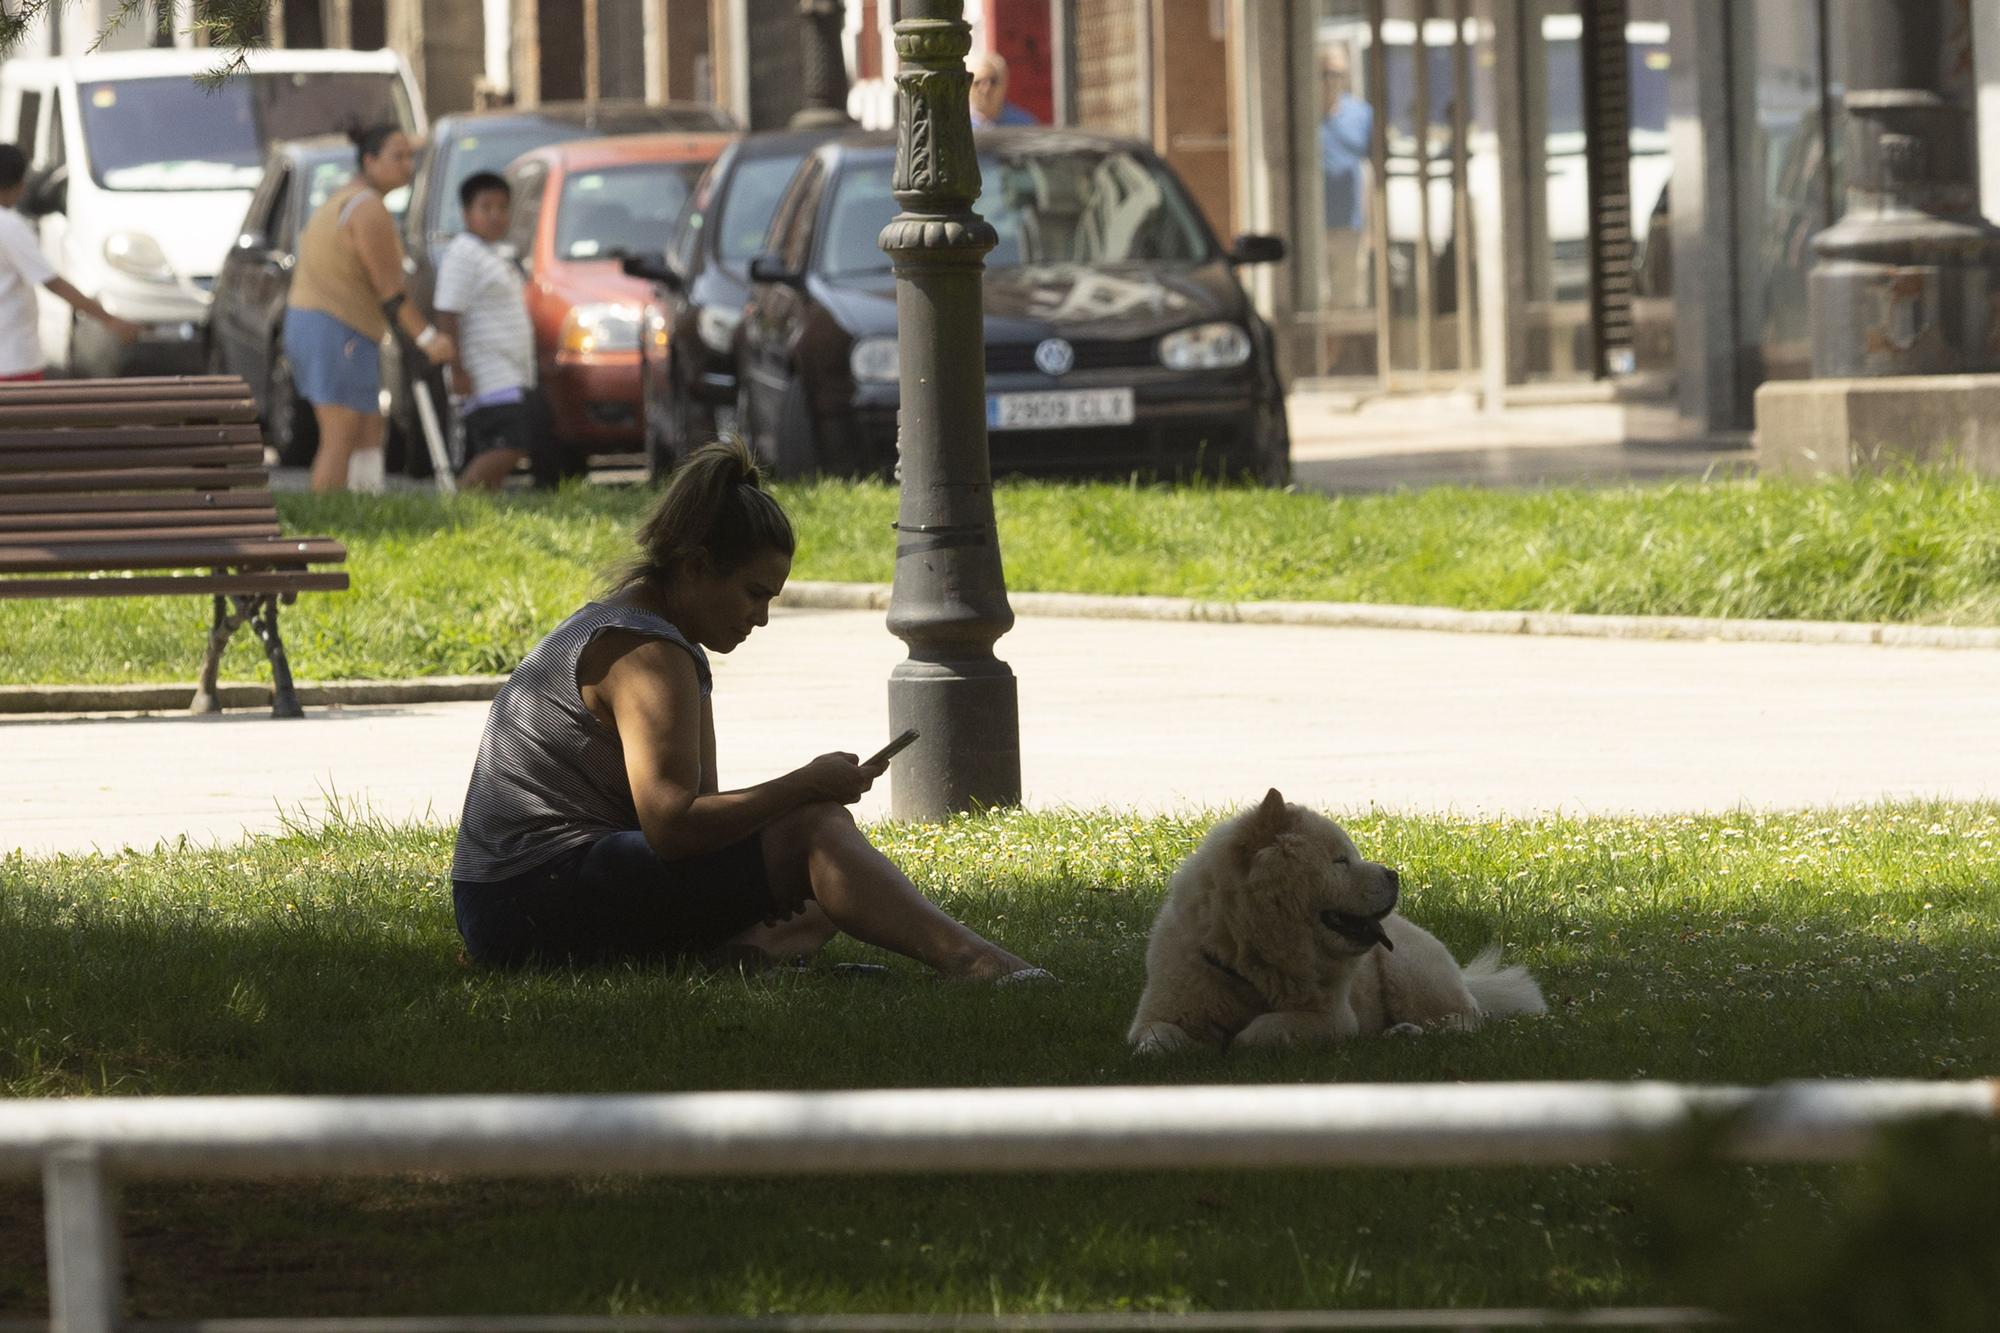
1053, 356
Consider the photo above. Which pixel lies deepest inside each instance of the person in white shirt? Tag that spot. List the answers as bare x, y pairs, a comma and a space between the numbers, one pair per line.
23, 268
482, 308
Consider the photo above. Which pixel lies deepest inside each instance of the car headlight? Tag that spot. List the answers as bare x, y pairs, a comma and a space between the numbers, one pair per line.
609, 327
875, 361
1205, 347
658, 331
716, 326
138, 254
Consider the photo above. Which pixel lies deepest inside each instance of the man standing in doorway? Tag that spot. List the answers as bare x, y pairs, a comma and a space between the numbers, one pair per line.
990, 106
1346, 138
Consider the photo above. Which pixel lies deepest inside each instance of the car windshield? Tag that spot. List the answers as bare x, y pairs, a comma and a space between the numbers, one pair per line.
1070, 205
622, 210
492, 147
173, 134
754, 190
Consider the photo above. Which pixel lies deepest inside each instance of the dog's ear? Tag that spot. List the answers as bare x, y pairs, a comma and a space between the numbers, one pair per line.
1262, 828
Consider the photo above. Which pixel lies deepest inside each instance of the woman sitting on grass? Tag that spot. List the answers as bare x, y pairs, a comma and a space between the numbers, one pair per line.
595, 828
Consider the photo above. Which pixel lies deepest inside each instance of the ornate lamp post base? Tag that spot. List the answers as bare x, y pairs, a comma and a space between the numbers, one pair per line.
950, 598
1904, 283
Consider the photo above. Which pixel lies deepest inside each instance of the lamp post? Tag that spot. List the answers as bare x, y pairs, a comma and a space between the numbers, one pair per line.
1904, 283
823, 68
949, 602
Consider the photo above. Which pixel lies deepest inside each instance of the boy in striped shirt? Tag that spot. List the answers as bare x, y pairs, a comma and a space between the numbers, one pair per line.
482, 309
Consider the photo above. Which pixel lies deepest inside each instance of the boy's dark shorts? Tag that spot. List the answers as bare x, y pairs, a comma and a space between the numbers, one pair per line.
523, 426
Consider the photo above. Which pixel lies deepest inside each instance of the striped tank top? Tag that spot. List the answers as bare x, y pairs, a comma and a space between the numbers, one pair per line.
549, 775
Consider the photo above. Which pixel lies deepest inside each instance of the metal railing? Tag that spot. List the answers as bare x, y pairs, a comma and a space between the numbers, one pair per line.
82, 1149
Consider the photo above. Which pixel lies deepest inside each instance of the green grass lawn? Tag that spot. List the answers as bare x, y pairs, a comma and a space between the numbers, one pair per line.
1735, 949
468, 585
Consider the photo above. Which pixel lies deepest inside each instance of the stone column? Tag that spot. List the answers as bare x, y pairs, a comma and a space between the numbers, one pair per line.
1904, 283
823, 64
949, 602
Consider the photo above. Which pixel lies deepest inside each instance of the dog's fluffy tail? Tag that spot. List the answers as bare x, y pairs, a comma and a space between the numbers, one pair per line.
1502, 991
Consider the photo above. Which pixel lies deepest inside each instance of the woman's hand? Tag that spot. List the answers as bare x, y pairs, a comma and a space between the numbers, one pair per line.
838, 777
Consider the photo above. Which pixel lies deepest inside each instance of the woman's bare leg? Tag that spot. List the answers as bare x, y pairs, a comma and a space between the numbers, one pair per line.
364, 465
796, 937
339, 431
817, 852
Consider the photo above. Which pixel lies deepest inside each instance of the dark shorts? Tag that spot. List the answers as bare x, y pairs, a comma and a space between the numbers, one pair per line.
615, 900
521, 426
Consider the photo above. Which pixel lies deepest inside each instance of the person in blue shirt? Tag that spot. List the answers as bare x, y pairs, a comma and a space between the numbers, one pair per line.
989, 94
1346, 137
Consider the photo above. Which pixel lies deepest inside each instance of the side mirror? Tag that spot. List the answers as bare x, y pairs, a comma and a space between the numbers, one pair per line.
49, 194
1253, 249
652, 268
770, 268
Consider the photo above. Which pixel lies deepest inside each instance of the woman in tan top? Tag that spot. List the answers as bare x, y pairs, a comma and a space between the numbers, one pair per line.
346, 288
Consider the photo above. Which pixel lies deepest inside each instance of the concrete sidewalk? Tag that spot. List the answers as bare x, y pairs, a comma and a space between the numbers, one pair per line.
1144, 715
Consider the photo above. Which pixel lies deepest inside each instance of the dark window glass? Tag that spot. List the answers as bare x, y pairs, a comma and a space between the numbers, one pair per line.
745, 224
1057, 206
30, 121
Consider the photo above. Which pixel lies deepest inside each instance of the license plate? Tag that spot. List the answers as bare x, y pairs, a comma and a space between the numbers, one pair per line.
1065, 407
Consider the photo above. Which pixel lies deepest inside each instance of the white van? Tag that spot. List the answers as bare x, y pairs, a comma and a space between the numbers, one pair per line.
140, 176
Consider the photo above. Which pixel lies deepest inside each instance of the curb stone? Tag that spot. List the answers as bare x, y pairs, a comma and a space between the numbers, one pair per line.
17, 699
24, 699
1369, 615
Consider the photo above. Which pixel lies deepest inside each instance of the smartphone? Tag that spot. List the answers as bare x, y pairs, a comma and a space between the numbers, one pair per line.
892, 749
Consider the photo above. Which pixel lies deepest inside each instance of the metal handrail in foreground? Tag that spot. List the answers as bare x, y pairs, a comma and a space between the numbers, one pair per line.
82, 1148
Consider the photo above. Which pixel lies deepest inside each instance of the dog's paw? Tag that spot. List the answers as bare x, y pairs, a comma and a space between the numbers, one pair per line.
1403, 1030
1159, 1039
1283, 1028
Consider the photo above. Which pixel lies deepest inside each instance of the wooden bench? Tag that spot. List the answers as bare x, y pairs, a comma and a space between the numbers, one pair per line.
150, 487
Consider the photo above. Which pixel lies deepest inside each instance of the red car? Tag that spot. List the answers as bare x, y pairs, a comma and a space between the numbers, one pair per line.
579, 209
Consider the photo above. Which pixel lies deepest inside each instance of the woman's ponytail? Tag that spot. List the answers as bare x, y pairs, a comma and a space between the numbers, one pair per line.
715, 512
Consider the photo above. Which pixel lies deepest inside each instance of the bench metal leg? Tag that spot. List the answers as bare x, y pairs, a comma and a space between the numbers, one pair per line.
86, 1265
219, 634
260, 613
264, 624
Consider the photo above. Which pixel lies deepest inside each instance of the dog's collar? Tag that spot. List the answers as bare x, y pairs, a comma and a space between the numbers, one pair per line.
1226, 969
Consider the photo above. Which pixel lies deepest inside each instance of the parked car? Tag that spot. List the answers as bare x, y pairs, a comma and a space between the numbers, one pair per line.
687, 342
474, 141
141, 176
1117, 336
247, 314
580, 210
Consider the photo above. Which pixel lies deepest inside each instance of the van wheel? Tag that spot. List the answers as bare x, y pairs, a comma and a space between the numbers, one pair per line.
289, 424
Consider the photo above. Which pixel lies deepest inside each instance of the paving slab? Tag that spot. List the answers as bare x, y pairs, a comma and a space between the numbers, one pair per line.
1141, 715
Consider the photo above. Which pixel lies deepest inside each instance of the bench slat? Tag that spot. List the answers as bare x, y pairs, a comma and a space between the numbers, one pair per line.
178, 390
70, 521
137, 479
15, 415
78, 557
206, 530
157, 585
114, 460
122, 382
94, 503
129, 437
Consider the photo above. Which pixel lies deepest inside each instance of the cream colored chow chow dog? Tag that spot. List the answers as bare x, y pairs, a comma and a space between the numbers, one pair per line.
1276, 931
